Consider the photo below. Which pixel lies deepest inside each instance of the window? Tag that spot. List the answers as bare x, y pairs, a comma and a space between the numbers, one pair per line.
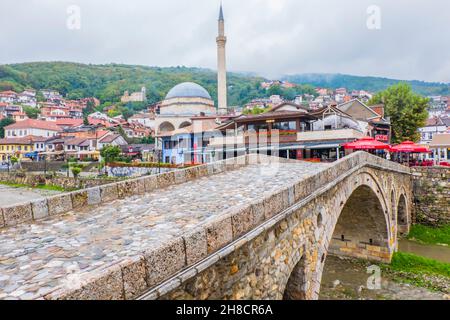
288, 125
258, 127
328, 127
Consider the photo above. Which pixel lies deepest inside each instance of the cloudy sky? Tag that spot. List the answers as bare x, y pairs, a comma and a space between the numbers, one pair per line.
268, 37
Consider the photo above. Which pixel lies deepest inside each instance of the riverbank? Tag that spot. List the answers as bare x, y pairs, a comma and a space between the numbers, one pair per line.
408, 278
430, 235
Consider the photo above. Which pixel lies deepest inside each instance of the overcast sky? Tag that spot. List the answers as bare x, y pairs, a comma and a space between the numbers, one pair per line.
268, 37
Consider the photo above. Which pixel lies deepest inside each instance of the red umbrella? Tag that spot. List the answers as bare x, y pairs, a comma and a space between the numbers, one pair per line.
367, 143
410, 147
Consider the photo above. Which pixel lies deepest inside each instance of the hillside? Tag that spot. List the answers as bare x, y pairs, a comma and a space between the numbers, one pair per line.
108, 82
373, 84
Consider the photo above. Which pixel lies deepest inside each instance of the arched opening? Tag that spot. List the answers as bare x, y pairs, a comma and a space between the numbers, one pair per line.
166, 127
361, 229
393, 207
185, 124
402, 216
296, 285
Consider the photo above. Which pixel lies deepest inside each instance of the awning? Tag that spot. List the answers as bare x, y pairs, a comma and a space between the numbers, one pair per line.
323, 146
51, 153
366, 143
409, 147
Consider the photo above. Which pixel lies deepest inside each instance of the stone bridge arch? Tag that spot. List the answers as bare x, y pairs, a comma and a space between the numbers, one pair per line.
403, 215
359, 226
284, 256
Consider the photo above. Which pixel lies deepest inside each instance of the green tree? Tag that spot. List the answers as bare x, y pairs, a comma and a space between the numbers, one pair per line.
14, 160
407, 110
275, 90
110, 153
4, 123
76, 171
31, 112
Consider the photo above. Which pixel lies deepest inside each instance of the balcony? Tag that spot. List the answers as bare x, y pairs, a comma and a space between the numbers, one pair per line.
340, 134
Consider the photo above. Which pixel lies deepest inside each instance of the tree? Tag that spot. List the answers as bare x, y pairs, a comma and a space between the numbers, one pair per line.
76, 171
14, 160
407, 111
110, 153
275, 90
4, 123
31, 112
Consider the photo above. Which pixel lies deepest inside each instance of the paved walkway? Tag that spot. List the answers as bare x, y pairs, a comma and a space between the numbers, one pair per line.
38, 258
10, 196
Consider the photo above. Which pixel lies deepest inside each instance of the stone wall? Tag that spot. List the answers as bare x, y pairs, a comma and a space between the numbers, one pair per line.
251, 252
135, 171
432, 195
43, 166
63, 203
34, 180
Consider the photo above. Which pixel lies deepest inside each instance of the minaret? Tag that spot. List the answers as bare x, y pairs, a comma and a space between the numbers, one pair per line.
221, 66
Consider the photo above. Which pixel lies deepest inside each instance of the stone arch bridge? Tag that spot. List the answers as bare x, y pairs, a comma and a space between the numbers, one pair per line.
253, 227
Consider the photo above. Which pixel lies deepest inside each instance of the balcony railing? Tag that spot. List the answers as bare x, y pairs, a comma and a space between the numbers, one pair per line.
339, 134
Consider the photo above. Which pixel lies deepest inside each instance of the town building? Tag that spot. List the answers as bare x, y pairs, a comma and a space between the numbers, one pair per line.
184, 101
32, 127
21, 148
145, 119
140, 96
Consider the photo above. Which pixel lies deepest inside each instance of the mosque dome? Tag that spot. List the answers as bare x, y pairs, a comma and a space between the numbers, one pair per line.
188, 90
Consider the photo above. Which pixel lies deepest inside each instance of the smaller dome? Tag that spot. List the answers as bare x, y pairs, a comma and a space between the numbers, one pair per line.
188, 90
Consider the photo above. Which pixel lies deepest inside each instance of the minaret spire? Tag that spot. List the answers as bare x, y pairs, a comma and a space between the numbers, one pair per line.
221, 65
221, 13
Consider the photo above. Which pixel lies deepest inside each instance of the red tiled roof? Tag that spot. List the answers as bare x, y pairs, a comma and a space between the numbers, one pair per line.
69, 122
9, 93
23, 141
34, 124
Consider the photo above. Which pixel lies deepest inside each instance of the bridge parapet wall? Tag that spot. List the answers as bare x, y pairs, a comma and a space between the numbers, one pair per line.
161, 271
28, 212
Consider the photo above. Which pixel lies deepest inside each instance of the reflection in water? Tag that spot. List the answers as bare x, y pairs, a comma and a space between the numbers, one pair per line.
440, 253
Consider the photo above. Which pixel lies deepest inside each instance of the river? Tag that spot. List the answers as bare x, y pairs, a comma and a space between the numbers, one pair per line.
347, 279
440, 253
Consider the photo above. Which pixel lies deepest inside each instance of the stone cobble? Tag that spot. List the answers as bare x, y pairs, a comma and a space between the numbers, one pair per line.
60, 251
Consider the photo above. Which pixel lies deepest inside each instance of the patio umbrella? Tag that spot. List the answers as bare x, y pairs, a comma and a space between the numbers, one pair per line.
409, 147
366, 143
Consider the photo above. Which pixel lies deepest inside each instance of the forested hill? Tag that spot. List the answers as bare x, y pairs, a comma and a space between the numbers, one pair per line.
371, 84
108, 82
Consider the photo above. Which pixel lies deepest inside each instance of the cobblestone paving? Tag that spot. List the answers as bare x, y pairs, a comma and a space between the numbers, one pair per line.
36, 259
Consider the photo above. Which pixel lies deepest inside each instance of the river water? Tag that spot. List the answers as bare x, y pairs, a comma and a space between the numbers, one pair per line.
349, 279
440, 253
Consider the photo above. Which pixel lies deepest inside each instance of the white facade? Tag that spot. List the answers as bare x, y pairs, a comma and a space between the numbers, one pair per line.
18, 133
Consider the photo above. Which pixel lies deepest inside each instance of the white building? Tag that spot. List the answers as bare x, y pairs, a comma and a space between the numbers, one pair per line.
32, 127
435, 125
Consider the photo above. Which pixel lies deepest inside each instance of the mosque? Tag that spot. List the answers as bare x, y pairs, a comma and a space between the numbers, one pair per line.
188, 100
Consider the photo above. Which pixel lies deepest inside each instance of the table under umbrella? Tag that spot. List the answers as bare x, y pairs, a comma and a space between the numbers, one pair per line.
366, 143
410, 147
